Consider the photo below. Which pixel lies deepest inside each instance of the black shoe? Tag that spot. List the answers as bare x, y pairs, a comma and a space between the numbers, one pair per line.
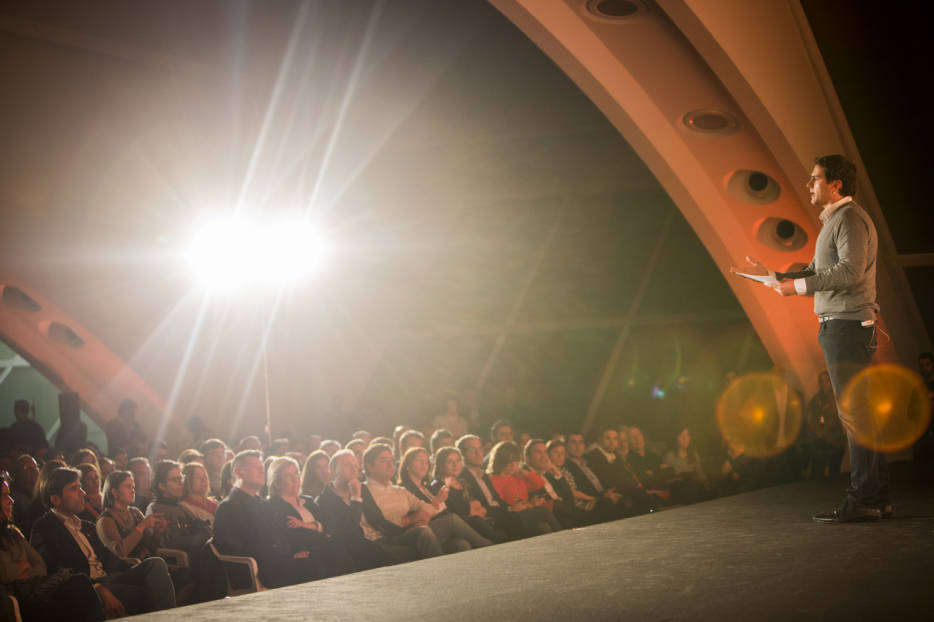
849, 514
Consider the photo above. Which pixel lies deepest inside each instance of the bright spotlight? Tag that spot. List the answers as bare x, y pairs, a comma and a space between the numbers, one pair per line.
233, 253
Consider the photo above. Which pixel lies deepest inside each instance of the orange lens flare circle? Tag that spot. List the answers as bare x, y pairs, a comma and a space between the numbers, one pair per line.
886, 407
748, 414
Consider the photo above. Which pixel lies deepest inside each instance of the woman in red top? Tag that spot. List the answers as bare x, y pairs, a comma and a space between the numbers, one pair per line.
517, 489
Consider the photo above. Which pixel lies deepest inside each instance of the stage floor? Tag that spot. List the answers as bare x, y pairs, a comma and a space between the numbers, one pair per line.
748, 557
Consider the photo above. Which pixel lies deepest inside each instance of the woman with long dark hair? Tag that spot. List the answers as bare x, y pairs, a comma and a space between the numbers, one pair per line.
452, 531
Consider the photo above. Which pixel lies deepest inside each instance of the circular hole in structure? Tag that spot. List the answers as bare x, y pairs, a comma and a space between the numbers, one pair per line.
18, 299
614, 9
785, 229
757, 181
752, 186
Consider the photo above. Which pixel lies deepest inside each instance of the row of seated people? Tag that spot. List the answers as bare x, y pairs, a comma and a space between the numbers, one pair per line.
457, 498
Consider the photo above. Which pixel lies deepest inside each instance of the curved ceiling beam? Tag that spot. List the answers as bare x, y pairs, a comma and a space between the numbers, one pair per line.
647, 77
70, 356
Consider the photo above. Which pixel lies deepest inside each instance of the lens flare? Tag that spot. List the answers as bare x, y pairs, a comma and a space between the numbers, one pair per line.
748, 413
886, 407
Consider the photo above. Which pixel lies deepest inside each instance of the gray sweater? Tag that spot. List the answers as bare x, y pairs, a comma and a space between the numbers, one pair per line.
842, 275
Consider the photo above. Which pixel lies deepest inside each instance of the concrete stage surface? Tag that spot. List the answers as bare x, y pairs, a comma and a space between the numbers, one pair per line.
755, 556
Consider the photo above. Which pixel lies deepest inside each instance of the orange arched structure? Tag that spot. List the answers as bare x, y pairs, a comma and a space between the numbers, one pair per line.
727, 103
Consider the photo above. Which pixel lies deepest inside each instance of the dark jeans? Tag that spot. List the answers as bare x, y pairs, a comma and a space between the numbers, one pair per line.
848, 347
142, 588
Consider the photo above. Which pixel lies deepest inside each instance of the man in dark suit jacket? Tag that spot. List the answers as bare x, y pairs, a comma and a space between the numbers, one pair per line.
242, 526
65, 541
613, 472
479, 486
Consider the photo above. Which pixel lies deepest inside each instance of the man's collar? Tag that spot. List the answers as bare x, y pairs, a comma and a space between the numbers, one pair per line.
68, 519
609, 457
830, 209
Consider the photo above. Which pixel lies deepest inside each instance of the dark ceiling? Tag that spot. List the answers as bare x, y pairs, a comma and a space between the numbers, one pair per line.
446, 154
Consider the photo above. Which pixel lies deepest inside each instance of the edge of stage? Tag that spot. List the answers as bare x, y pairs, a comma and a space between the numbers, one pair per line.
750, 556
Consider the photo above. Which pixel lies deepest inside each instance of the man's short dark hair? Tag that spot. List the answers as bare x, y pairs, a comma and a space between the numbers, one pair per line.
437, 437
462, 441
59, 478
241, 457
838, 167
532, 442
369, 456
500, 423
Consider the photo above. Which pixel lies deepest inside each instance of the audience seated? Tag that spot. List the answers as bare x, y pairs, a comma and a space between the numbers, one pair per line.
37, 506
557, 492
689, 483
142, 476
293, 516
322, 520
315, 473
440, 438
412, 438
184, 531
196, 486
192, 455
215, 455
357, 446
25, 474
65, 541
64, 595
614, 473
394, 518
503, 470
479, 487
589, 492
341, 507
449, 464
738, 471
91, 483
242, 526
452, 531
121, 526
330, 447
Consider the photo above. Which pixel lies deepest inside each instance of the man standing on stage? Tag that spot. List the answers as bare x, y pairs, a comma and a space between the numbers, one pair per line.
842, 279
